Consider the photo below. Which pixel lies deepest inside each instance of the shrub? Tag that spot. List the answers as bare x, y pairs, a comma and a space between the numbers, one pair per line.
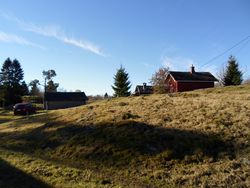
128, 115
32, 99
123, 103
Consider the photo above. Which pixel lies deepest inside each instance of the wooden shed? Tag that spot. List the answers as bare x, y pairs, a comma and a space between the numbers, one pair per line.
59, 100
188, 81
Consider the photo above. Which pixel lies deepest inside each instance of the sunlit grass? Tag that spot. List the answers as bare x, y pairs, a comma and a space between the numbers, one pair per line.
192, 139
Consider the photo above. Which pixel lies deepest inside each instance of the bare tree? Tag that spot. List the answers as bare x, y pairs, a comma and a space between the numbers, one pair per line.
247, 81
158, 80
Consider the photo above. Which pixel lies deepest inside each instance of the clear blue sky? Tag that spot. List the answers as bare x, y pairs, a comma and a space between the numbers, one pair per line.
86, 41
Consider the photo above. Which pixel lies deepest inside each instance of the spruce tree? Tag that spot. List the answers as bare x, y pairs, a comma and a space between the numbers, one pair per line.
232, 75
11, 81
24, 88
121, 83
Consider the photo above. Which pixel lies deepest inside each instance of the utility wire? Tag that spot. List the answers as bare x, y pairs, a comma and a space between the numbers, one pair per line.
237, 44
242, 47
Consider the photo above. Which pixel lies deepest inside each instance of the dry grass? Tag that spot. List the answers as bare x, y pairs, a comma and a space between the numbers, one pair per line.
193, 139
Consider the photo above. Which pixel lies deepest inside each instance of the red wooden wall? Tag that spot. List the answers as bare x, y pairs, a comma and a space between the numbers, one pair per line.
189, 86
177, 86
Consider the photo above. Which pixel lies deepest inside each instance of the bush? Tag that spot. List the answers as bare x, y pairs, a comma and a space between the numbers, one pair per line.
32, 99
123, 104
128, 115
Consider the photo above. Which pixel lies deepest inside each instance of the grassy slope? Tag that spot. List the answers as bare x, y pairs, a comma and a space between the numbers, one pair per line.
198, 138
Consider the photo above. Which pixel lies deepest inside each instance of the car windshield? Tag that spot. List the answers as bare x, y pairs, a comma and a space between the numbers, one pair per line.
20, 106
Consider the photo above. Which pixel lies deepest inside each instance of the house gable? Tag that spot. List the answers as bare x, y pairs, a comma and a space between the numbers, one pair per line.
143, 89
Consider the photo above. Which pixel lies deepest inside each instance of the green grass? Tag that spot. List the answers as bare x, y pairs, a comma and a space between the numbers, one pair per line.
192, 139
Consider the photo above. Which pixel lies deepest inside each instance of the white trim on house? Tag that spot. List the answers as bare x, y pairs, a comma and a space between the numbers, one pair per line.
171, 76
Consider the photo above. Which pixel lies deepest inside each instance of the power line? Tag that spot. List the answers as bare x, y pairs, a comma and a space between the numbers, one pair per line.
237, 44
242, 47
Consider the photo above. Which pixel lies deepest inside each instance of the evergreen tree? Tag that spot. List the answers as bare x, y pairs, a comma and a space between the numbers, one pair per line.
11, 81
121, 83
11, 73
106, 96
24, 88
2, 94
232, 75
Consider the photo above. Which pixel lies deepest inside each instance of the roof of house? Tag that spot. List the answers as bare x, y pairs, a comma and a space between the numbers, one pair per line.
65, 96
195, 76
144, 89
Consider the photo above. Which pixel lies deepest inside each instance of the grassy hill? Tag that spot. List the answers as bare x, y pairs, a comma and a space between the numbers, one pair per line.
192, 139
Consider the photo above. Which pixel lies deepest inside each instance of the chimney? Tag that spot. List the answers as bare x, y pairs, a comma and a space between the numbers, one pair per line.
192, 69
144, 86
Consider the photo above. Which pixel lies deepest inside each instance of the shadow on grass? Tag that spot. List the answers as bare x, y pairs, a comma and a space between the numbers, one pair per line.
115, 144
8, 116
11, 177
5, 116
15, 121
4, 120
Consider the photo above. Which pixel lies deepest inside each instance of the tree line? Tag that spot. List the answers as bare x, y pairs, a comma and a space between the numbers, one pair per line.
230, 75
13, 86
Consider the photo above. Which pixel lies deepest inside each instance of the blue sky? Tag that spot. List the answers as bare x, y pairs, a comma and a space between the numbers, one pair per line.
86, 41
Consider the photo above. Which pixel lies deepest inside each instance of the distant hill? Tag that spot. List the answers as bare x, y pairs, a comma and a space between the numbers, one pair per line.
191, 139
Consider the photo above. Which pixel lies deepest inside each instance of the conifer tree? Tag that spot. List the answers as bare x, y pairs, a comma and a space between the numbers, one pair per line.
121, 83
232, 75
11, 82
24, 88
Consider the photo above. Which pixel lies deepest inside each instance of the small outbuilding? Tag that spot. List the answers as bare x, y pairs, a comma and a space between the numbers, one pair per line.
188, 81
60, 100
143, 90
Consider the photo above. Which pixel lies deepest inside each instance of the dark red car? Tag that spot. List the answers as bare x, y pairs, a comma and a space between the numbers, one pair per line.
24, 109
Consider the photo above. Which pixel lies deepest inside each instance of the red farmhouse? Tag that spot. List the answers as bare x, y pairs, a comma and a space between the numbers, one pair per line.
188, 81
